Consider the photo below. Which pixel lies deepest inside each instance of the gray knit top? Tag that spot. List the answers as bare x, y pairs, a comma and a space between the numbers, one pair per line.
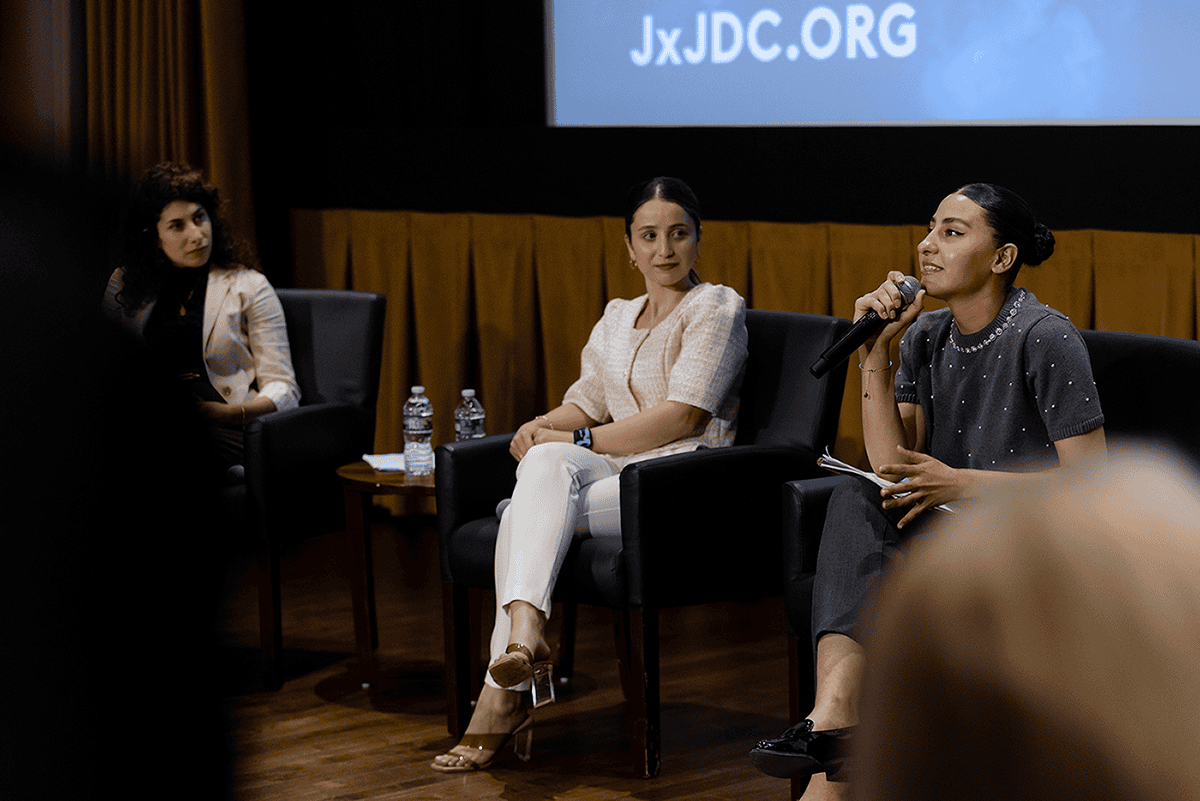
999, 398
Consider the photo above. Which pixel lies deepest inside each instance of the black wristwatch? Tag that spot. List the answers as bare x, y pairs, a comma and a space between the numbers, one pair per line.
583, 437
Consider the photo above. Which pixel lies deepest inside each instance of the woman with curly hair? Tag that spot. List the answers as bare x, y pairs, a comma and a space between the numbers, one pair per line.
192, 293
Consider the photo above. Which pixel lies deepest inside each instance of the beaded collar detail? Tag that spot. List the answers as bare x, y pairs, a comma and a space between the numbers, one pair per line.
1000, 329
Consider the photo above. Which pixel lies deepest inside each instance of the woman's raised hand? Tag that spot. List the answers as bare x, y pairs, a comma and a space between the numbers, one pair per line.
888, 303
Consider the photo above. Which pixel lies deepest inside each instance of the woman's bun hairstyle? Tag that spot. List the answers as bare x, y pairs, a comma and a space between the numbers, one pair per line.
1013, 221
1043, 245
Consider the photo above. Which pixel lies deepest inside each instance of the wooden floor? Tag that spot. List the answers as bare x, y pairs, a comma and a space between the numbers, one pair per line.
323, 736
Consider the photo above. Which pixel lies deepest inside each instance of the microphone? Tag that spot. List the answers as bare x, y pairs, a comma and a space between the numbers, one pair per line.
862, 329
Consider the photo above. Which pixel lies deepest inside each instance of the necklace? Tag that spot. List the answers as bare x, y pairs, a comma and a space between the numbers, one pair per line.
992, 336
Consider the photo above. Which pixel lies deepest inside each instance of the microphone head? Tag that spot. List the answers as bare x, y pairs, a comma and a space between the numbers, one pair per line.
909, 288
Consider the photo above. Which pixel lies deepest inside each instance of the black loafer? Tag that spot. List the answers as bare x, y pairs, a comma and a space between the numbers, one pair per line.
802, 751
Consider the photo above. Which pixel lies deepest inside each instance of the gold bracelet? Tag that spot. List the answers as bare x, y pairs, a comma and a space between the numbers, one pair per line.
547, 419
876, 370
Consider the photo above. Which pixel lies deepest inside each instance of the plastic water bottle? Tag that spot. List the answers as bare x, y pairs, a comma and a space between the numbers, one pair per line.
418, 434
468, 418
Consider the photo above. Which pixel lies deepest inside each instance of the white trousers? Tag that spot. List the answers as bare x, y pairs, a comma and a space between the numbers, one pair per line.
563, 492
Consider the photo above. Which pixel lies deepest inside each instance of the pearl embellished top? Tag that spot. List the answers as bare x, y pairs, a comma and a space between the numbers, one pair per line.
998, 399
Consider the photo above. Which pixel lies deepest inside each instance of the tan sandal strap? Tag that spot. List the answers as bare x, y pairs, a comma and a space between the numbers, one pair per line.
481, 742
518, 647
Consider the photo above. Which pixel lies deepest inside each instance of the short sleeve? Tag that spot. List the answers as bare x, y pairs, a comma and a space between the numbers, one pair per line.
914, 352
588, 390
712, 351
1059, 375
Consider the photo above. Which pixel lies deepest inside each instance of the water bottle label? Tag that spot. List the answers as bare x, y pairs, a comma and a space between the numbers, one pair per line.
418, 425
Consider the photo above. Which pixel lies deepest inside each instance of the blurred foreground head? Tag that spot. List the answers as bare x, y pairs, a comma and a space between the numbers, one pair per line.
1046, 645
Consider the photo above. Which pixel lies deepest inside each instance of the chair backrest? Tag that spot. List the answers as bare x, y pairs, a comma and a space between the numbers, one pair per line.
781, 402
336, 339
1148, 387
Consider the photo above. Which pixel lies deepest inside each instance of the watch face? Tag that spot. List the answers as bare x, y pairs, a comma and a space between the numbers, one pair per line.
583, 437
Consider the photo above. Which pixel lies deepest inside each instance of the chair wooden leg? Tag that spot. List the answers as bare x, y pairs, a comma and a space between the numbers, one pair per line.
360, 570
566, 649
621, 645
794, 681
462, 655
270, 617
644, 681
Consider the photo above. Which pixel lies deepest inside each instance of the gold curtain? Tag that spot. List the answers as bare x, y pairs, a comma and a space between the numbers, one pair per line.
505, 303
167, 82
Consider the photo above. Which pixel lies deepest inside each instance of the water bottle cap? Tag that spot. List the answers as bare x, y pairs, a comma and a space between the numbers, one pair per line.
418, 390
468, 393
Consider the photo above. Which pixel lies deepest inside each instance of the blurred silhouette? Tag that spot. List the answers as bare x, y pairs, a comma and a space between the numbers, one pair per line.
98, 451
1045, 645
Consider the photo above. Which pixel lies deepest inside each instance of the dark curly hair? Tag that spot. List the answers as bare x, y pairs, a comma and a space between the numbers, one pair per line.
1012, 220
143, 260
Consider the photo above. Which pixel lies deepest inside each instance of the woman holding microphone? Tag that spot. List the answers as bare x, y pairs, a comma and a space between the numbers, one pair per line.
992, 387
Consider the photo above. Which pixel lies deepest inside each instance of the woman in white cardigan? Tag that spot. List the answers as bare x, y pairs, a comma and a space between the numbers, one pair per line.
660, 375
216, 323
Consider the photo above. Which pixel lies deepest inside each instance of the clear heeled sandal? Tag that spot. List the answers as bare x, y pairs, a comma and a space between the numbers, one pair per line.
518, 665
482, 750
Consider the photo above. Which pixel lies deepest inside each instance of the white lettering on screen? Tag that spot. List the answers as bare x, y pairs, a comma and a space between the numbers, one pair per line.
820, 36
760, 52
908, 30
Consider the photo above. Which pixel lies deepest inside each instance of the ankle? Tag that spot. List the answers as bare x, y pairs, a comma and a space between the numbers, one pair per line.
499, 702
827, 718
527, 627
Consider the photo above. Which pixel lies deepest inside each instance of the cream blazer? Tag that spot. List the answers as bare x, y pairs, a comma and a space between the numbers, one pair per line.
697, 356
245, 335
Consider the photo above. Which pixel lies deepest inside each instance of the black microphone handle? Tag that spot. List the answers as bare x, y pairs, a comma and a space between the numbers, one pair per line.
862, 329
854, 337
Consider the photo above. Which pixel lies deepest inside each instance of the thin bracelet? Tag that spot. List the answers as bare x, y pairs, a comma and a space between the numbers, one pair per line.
876, 370
547, 419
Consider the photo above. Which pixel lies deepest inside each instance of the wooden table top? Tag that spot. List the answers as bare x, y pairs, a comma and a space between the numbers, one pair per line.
364, 478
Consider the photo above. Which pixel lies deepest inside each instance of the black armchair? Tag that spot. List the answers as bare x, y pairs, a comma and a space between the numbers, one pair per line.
1147, 386
291, 490
670, 553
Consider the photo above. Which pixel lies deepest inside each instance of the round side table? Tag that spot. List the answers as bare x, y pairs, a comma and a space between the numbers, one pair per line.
360, 482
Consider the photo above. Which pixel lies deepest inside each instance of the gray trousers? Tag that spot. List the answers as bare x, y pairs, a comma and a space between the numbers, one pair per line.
858, 541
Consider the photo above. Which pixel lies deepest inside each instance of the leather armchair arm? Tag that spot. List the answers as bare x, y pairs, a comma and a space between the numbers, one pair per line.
472, 477
804, 505
710, 518
294, 453
314, 433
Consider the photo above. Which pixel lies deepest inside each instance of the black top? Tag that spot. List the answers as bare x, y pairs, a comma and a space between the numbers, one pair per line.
175, 330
